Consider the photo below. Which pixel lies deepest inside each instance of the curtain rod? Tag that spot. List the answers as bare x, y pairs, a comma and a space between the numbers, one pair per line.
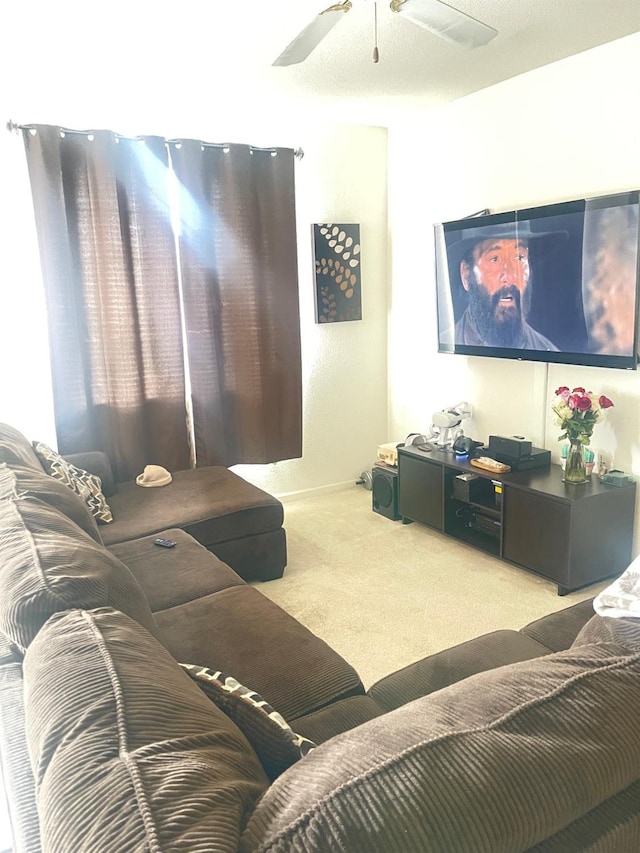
13, 127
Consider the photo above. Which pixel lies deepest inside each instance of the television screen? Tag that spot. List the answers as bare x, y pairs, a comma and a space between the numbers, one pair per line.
557, 283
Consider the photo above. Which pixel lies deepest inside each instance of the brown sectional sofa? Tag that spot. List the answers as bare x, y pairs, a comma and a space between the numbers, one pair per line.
516, 741
239, 522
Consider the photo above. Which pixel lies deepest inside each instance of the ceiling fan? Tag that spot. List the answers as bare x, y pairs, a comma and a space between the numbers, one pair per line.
434, 15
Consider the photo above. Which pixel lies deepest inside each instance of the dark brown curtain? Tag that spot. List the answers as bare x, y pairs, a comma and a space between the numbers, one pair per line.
109, 265
238, 258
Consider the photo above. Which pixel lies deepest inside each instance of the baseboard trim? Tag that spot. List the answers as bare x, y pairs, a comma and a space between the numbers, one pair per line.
303, 494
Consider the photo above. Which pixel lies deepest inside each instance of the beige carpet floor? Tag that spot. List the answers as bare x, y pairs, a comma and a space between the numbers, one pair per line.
384, 594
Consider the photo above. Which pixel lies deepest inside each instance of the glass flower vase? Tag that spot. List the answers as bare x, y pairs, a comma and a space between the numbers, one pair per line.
574, 469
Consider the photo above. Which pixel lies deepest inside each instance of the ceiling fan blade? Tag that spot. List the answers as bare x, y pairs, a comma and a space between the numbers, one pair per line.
445, 21
312, 35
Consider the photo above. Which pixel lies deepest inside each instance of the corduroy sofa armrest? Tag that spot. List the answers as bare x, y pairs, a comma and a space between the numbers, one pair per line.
95, 462
15, 762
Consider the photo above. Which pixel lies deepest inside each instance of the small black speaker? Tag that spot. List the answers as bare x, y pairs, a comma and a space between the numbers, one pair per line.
384, 491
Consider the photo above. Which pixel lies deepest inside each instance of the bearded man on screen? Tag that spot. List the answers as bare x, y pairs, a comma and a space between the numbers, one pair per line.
496, 274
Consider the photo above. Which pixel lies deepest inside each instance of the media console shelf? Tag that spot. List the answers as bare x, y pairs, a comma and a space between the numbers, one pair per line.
571, 535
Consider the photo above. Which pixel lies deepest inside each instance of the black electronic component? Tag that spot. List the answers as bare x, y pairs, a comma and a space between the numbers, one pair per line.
384, 497
538, 458
479, 522
468, 487
513, 447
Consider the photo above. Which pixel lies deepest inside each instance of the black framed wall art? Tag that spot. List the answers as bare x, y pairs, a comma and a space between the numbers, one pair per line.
337, 272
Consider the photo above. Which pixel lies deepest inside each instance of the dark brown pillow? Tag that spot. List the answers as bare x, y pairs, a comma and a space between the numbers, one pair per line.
17, 483
275, 742
128, 754
47, 565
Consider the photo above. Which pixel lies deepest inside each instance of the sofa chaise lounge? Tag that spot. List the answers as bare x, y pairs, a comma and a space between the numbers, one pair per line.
239, 522
152, 700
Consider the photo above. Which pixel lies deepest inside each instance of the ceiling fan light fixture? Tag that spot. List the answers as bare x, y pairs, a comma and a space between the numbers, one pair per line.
436, 16
446, 22
312, 35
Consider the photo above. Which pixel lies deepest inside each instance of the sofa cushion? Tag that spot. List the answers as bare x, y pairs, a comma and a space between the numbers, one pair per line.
497, 762
604, 629
558, 630
240, 631
16, 483
15, 449
212, 504
339, 717
47, 564
611, 827
257, 557
95, 462
127, 753
87, 486
454, 664
275, 742
172, 576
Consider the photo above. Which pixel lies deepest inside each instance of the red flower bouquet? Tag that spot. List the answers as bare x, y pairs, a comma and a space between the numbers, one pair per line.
578, 411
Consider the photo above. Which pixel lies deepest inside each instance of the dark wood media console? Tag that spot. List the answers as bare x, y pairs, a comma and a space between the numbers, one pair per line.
572, 535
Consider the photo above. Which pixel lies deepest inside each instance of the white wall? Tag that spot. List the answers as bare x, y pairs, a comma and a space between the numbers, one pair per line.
565, 131
342, 178
26, 399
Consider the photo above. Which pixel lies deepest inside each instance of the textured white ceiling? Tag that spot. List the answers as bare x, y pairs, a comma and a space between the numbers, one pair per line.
413, 62
224, 49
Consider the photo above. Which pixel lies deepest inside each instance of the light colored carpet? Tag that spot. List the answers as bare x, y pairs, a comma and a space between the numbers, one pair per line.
384, 594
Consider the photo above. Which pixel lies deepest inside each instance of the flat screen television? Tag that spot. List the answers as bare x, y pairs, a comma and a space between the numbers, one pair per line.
556, 283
